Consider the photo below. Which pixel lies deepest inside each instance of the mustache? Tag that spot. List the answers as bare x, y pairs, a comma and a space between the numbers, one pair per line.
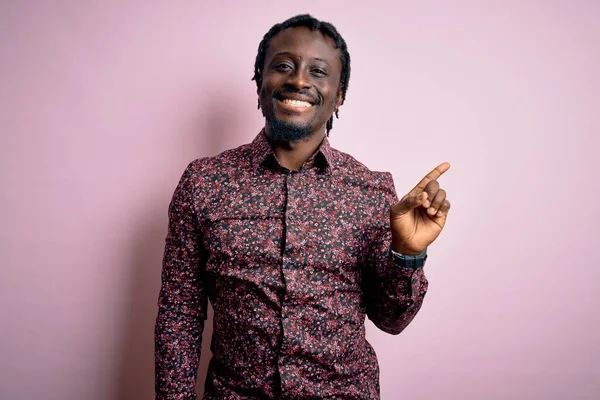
279, 94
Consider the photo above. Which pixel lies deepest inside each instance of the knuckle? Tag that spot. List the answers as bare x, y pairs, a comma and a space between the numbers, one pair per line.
433, 185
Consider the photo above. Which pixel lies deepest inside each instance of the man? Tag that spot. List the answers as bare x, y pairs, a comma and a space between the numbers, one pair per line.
293, 242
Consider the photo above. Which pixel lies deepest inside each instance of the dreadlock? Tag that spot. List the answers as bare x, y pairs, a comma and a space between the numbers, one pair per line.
306, 20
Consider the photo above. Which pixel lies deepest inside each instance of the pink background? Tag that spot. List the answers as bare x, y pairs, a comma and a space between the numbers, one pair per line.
103, 104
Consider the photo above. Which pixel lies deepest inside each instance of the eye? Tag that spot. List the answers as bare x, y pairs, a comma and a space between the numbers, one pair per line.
319, 72
283, 66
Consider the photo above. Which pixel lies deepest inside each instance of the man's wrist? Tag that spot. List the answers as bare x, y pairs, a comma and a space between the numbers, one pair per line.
406, 252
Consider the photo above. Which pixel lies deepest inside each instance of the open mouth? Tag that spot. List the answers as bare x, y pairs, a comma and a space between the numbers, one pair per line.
294, 106
296, 103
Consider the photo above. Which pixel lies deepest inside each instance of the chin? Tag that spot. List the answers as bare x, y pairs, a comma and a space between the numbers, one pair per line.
283, 130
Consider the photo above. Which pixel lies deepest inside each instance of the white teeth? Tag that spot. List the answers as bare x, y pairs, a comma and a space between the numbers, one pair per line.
297, 103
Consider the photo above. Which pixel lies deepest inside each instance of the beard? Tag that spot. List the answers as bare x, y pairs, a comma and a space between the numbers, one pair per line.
281, 131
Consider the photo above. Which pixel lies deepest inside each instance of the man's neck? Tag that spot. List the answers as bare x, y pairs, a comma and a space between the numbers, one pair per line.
292, 155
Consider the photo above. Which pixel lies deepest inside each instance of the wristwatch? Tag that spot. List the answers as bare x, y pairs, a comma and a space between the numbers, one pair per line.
416, 261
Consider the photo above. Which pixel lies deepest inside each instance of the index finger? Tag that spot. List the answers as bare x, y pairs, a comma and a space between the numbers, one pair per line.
433, 175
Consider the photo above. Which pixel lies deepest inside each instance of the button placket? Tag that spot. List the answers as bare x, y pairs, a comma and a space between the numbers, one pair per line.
291, 239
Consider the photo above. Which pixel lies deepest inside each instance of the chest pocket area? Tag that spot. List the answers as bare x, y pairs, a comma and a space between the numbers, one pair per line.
242, 241
336, 243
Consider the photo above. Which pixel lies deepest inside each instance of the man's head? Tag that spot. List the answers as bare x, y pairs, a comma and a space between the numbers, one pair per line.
302, 71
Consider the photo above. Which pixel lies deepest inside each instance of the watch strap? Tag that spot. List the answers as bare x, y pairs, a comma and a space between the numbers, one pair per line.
414, 261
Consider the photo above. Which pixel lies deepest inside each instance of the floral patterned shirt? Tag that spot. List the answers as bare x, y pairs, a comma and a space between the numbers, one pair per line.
292, 262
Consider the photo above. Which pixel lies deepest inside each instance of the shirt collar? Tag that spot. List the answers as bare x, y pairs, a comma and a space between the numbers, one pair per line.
262, 153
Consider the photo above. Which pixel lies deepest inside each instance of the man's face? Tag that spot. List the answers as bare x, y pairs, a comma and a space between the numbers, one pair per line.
300, 83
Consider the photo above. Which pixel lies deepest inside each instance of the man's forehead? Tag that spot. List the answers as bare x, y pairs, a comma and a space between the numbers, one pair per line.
313, 44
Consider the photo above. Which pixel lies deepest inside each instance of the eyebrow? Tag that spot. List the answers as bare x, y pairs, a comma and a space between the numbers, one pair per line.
287, 53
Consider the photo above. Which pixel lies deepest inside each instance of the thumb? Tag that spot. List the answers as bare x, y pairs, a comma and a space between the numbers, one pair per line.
408, 203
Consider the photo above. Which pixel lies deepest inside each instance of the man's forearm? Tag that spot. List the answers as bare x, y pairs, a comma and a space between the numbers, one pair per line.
178, 340
394, 298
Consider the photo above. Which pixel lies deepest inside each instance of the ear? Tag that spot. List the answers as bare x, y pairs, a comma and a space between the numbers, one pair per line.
340, 100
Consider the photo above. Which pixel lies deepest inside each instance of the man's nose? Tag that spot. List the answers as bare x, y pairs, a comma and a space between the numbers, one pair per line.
299, 79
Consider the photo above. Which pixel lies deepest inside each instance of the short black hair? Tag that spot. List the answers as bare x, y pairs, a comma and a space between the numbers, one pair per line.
313, 24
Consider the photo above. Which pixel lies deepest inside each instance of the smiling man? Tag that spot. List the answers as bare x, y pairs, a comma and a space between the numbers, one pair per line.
294, 243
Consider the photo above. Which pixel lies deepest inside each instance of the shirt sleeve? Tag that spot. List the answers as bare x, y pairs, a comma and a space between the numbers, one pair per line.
393, 294
182, 303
